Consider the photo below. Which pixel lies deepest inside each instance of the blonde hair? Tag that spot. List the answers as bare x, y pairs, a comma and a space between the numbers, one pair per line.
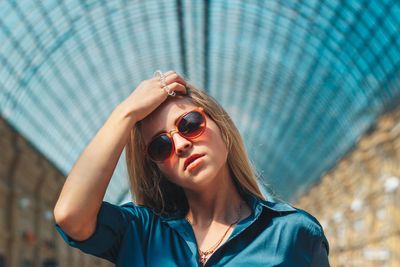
152, 189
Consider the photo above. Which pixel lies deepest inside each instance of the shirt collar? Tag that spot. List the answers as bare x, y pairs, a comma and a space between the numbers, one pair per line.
256, 204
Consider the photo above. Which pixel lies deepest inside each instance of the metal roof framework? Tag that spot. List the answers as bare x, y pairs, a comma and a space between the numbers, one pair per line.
303, 80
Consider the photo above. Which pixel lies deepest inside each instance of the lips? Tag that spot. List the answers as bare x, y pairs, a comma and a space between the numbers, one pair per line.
191, 159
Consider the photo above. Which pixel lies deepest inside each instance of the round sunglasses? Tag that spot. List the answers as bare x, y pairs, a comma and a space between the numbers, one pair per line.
189, 125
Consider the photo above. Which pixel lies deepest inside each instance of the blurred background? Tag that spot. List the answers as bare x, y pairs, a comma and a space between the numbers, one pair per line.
313, 86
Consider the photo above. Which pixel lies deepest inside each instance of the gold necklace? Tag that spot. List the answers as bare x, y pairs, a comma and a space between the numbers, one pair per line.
205, 255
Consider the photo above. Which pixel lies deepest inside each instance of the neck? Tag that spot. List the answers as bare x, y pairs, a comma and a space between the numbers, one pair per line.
218, 202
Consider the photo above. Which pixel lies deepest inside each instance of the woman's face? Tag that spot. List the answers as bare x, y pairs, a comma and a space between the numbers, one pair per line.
212, 162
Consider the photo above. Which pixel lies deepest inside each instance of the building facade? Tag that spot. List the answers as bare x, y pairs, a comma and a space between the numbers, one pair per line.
29, 188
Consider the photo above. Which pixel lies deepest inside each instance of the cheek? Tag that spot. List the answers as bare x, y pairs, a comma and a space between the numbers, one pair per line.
167, 169
214, 138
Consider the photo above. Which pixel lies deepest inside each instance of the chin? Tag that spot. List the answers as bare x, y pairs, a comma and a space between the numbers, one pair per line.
203, 176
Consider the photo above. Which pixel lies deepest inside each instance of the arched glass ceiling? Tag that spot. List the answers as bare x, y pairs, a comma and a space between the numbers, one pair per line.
302, 79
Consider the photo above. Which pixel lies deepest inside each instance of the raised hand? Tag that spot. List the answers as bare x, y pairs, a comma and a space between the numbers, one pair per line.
149, 94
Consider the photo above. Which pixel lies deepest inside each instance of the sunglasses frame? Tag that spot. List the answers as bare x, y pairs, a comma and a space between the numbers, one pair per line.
170, 134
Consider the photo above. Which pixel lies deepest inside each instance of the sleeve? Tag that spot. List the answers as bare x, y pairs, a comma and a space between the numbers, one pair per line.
311, 240
112, 221
320, 254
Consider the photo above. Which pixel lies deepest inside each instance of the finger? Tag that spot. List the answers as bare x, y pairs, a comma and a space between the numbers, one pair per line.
169, 72
178, 88
174, 77
157, 75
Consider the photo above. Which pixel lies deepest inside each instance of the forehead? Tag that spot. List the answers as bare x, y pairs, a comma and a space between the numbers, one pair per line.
163, 118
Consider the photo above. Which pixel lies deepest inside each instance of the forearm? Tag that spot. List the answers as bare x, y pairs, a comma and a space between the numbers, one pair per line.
86, 184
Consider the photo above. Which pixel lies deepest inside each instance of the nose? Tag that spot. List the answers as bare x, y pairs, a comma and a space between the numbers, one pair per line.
181, 144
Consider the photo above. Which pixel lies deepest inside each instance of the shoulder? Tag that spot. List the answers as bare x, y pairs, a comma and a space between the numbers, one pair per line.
298, 223
304, 221
297, 231
292, 216
284, 214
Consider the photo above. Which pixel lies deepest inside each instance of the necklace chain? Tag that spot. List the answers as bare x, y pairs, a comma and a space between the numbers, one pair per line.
204, 255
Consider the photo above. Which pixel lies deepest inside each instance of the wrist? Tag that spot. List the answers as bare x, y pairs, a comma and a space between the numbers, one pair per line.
125, 112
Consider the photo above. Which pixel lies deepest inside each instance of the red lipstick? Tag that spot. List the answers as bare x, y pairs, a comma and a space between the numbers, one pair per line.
191, 159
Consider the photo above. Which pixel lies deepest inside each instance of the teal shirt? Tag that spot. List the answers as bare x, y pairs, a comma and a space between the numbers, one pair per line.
275, 234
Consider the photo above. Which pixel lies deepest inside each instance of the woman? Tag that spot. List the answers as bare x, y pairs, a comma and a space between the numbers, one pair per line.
197, 201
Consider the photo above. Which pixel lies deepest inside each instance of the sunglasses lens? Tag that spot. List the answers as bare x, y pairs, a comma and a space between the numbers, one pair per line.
160, 148
192, 124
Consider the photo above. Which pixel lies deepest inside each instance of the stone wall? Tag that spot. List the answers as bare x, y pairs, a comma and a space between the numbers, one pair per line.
358, 201
29, 187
